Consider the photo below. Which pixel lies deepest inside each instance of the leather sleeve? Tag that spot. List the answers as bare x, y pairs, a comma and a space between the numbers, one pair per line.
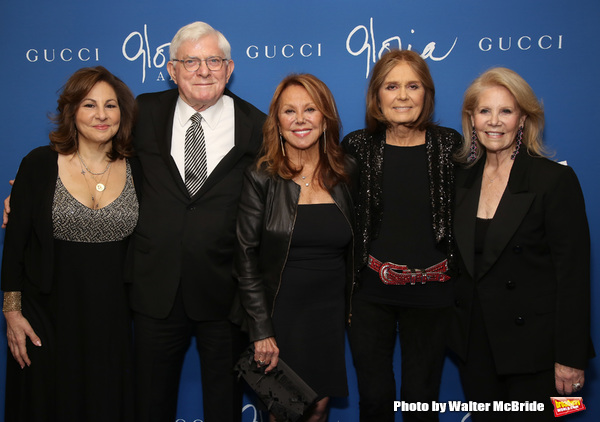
251, 285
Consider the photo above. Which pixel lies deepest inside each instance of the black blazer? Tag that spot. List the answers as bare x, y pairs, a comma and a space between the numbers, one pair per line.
181, 240
534, 282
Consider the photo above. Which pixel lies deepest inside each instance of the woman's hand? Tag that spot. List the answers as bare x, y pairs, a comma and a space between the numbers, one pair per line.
266, 353
568, 380
6, 208
18, 329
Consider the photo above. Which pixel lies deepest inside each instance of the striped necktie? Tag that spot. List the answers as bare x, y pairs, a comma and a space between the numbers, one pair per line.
195, 156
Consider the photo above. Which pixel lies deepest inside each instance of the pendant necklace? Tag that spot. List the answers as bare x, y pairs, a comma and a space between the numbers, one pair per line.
99, 185
490, 180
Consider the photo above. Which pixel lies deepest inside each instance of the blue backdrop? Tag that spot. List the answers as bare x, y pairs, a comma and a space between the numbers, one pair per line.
553, 44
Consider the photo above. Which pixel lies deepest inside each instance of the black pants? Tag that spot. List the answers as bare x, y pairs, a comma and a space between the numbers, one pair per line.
372, 336
160, 348
482, 383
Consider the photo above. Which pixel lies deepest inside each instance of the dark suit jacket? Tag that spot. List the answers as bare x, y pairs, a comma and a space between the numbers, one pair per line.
181, 240
534, 282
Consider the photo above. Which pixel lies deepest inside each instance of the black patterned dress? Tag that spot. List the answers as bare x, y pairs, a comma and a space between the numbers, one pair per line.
82, 372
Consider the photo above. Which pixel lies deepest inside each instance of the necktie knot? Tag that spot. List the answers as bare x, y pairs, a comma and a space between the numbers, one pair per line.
196, 118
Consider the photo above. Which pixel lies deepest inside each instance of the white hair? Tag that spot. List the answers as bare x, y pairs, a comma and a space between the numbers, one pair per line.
195, 31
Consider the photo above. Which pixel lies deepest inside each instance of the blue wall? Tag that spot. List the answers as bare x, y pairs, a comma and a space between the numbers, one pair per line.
553, 44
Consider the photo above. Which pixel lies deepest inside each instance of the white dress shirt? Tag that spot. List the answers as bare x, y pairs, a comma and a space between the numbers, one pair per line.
218, 124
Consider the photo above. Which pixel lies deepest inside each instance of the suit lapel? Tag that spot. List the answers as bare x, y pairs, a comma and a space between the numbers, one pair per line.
468, 186
243, 131
163, 116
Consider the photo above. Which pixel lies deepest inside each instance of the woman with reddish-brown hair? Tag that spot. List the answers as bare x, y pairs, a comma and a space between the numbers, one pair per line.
73, 207
404, 239
295, 229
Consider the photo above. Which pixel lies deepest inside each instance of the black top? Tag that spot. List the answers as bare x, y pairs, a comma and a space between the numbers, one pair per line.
406, 236
368, 150
481, 227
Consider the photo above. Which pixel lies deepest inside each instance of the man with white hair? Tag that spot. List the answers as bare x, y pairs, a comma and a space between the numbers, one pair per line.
194, 143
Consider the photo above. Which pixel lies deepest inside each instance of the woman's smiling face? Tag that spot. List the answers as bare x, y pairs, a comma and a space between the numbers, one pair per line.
300, 121
402, 95
496, 119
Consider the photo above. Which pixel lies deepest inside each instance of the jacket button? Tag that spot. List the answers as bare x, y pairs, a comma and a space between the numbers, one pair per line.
519, 321
456, 302
191, 208
510, 285
517, 249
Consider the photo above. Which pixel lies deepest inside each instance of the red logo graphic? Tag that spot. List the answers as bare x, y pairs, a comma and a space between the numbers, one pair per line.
567, 405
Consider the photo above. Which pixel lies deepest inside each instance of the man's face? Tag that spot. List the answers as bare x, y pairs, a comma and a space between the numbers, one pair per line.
202, 88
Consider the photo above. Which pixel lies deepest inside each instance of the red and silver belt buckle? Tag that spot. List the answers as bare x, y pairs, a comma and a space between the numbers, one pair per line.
388, 272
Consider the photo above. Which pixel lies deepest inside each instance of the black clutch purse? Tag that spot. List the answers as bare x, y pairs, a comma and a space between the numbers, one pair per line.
283, 392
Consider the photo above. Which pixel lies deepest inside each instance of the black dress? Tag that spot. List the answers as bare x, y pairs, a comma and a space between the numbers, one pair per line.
82, 372
309, 308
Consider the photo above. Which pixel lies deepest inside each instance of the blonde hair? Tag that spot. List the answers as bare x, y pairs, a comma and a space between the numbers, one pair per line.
526, 101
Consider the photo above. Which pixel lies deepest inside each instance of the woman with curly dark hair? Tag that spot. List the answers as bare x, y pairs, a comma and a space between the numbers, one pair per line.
73, 207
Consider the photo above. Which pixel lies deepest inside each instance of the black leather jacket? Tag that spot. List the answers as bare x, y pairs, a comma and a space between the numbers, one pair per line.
265, 223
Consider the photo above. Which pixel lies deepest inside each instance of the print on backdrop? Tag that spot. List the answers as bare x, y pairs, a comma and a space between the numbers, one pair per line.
395, 42
144, 51
65, 55
524, 42
286, 51
249, 414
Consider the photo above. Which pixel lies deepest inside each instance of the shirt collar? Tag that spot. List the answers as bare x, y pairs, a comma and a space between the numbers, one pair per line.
210, 116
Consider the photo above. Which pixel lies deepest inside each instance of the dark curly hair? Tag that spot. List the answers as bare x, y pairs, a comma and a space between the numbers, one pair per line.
64, 138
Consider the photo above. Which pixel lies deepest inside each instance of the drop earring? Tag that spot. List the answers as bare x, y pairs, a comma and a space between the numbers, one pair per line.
473, 149
281, 142
518, 142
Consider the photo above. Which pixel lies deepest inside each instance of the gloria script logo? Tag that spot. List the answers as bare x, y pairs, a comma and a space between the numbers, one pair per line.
373, 50
137, 46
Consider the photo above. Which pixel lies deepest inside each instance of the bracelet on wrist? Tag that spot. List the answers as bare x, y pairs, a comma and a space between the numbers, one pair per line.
12, 301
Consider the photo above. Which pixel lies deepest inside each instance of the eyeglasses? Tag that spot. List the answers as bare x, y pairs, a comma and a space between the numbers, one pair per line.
213, 63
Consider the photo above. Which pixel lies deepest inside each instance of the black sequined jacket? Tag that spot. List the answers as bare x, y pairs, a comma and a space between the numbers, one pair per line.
367, 149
